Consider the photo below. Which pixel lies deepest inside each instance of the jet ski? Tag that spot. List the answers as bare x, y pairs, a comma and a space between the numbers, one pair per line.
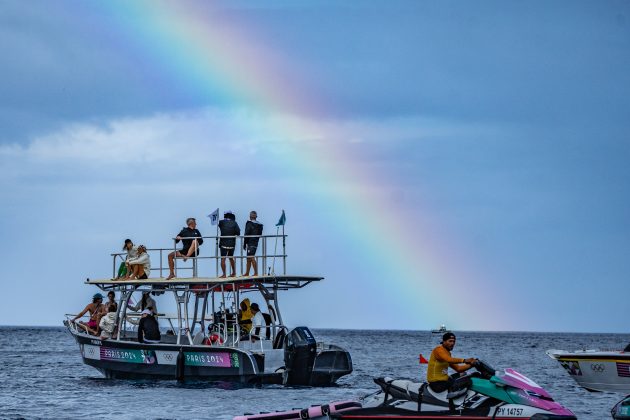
621, 410
481, 394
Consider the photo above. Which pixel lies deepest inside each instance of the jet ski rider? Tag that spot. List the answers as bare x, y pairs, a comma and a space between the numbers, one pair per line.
439, 362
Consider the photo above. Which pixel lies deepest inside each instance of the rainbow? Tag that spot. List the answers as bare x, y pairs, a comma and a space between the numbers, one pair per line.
211, 53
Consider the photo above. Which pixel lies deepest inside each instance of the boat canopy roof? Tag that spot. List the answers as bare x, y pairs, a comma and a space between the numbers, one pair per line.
279, 282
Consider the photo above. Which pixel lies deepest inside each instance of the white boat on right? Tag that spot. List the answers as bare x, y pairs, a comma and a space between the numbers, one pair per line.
597, 370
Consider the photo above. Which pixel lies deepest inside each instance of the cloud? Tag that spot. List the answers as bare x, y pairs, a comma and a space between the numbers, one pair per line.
213, 140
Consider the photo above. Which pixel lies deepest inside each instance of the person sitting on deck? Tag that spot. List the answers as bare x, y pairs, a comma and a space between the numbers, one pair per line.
439, 362
228, 227
111, 298
245, 317
259, 325
252, 227
146, 302
138, 268
148, 328
108, 322
94, 309
191, 241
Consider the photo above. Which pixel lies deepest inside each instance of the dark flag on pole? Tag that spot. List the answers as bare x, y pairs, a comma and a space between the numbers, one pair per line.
214, 217
282, 220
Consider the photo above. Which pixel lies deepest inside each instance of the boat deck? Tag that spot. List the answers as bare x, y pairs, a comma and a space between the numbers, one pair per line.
280, 282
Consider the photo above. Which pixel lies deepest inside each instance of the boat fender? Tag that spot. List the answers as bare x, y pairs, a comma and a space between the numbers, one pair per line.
304, 413
179, 371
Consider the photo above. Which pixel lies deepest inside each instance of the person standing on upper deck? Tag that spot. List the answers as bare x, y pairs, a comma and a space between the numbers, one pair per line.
191, 240
228, 227
252, 227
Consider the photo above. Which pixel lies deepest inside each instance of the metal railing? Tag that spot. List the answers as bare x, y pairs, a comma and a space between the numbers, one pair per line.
230, 333
265, 259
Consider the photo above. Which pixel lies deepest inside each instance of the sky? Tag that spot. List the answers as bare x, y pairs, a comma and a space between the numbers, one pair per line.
439, 162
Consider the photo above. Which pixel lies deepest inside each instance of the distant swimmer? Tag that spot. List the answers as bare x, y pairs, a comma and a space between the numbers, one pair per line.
439, 362
191, 241
252, 228
229, 229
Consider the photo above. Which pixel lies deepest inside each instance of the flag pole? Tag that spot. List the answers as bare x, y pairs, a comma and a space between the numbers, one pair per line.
275, 247
281, 222
216, 247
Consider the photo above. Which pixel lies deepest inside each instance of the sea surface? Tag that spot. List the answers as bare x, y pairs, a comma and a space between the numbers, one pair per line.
42, 375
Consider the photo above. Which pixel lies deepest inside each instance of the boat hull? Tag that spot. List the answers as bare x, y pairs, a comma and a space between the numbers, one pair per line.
129, 360
606, 371
132, 360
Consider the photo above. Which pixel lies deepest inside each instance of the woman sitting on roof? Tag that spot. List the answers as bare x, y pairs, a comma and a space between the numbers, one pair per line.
140, 266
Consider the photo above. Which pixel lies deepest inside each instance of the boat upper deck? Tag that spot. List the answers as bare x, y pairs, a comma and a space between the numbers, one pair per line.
279, 282
202, 271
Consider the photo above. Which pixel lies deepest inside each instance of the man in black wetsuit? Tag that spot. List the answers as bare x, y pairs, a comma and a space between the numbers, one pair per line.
148, 328
228, 227
252, 227
191, 240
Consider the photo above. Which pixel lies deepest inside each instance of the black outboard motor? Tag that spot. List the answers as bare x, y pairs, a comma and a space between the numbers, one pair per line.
300, 350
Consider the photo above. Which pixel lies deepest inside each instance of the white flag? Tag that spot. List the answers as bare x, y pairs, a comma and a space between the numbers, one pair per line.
214, 217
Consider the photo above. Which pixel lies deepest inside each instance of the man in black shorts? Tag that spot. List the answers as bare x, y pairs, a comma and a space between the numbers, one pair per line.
252, 228
191, 240
228, 227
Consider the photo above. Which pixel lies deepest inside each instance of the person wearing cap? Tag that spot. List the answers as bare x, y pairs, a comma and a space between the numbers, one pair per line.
140, 266
441, 360
94, 310
252, 228
148, 328
229, 228
191, 241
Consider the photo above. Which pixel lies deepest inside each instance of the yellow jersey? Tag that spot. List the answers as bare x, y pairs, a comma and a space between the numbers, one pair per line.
439, 362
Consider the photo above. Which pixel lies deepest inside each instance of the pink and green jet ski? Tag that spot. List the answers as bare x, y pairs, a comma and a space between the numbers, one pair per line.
482, 394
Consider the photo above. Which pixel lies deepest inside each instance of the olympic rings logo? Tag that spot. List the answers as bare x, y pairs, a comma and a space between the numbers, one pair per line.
597, 367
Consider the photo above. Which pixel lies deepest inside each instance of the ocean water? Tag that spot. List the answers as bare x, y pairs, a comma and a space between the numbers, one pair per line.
42, 375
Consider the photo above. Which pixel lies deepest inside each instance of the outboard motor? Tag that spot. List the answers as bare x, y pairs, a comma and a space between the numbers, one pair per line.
300, 350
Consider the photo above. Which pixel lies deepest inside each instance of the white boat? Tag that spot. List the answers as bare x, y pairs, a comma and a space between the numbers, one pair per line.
440, 330
597, 370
